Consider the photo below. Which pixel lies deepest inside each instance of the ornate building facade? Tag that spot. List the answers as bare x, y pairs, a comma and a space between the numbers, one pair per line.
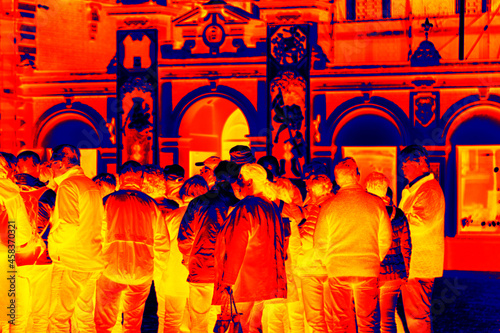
177, 81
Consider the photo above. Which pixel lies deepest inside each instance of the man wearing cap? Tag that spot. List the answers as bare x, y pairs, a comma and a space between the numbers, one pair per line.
241, 155
422, 201
207, 170
74, 241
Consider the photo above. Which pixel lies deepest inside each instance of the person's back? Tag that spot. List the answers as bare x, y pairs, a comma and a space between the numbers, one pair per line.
75, 238
352, 220
131, 218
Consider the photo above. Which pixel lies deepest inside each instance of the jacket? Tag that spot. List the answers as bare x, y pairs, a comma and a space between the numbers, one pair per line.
251, 252
13, 213
353, 233
200, 226
75, 240
396, 264
173, 278
424, 206
134, 223
39, 201
308, 263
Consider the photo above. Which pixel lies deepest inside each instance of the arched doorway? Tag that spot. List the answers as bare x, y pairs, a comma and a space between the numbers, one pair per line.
372, 138
74, 129
210, 127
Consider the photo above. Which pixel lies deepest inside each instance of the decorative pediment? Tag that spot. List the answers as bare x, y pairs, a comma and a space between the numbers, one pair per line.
216, 29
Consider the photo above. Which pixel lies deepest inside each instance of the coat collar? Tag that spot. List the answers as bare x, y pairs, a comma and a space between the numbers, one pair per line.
416, 185
74, 171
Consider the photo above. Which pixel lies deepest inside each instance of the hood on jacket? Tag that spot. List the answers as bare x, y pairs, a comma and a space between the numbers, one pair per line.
8, 189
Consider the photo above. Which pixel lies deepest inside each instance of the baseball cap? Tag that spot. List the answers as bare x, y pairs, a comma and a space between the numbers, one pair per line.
210, 162
241, 155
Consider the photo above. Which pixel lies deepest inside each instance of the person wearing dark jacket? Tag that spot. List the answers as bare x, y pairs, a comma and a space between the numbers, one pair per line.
250, 251
200, 226
395, 267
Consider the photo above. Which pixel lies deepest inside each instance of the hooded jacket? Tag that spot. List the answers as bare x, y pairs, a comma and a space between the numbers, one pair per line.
75, 240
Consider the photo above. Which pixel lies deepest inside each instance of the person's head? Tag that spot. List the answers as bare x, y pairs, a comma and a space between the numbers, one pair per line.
284, 189
314, 168
346, 172
414, 159
227, 171
174, 172
154, 182
192, 188
106, 183
253, 181
63, 158
207, 169
377, 183
241, 154
131, 174
270, 163
9, 162
28, 162
319, 185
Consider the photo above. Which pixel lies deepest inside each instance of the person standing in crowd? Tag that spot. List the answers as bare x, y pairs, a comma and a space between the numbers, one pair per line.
312, 271
75, 241
46, 176
12, 210
132, 220
200, 226
106, 183
353, 235
251, 253
155, 185
422, 201
396, 265
173, 289
207, 170
39, 201
175, 178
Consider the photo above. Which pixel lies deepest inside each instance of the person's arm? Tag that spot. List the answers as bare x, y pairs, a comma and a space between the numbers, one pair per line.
405, 239
427, 204
161, 241
320, 238
68, 205
384, 232
46, 206
187, 230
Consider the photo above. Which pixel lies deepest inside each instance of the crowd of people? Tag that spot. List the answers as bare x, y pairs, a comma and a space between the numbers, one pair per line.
291, 255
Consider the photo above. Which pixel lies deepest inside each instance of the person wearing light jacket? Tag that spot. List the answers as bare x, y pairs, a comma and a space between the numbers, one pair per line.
15, 234
75, 240
172, 288
132, 224
422, 201
312, 271
352, 237
200, 226
250, 250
